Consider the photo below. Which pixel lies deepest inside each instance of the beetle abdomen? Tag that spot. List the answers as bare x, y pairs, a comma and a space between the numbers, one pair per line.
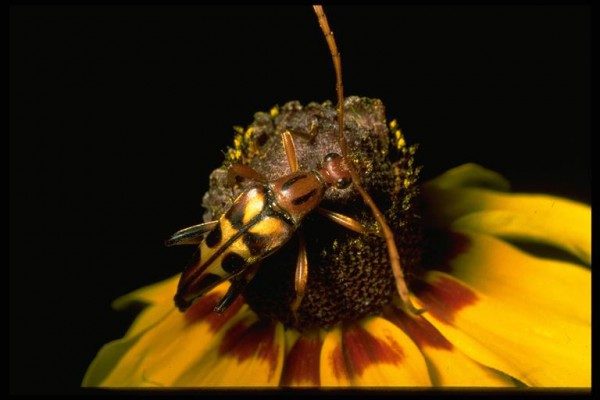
246, 233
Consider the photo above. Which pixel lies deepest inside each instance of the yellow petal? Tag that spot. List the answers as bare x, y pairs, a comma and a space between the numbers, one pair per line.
561, 223
158, 297
302, 362
544, 219
544, 287
372, 353
536, 347
447, 365
200, 333
334, 371
105, 361
111, 353
250, 353
148, 317
160, 292
469, 175
168, 344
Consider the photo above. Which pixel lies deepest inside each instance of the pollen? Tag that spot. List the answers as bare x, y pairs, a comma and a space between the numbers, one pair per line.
400, 142
248, 133
233, 155
237, 142
252, 149
349, 275
274, 112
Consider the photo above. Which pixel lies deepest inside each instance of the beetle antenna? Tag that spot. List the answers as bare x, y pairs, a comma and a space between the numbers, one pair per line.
337, 64
393, 253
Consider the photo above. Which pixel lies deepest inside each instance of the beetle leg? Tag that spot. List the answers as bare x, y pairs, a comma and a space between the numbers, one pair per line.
347, 222
238, 284
191, 234
301, 275
290, 150
238, 172
236, 288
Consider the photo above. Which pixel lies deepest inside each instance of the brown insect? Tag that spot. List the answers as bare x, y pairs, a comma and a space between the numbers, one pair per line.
267, 214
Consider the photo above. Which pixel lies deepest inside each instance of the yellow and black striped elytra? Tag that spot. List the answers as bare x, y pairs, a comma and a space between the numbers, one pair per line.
249, 231
214, 237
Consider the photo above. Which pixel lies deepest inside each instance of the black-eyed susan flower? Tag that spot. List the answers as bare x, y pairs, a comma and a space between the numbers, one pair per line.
496, 314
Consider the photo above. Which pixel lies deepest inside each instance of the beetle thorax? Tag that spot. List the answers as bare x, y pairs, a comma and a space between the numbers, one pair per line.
298, 193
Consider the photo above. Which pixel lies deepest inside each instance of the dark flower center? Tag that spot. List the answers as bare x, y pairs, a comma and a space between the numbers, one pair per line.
349, 276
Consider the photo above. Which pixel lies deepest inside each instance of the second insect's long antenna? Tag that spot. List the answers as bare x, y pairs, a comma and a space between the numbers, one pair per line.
393, 253
337, 64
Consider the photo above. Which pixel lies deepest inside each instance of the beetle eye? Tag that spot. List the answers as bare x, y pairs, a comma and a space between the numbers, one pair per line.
342, 183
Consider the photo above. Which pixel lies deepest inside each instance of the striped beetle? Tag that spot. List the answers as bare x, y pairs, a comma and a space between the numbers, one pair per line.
267, 214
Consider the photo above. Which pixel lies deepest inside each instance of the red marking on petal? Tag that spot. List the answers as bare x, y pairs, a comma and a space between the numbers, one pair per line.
420, 330
302, 364
444, 297
217, 320
442, 247
257, 340
202, 310
338, 363
363, 349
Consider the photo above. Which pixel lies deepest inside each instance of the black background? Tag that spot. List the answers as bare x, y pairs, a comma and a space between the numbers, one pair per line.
118, 114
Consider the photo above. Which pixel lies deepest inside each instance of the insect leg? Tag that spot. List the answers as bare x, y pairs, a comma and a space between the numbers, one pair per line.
346, 222
238, 172
393, 255
191, 234
301, 276
290, 150
238, 284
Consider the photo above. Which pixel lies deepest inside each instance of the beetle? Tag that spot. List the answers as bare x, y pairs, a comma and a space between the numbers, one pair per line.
269, 213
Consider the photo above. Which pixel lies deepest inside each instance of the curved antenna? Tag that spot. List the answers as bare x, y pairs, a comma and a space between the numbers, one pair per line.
337, 64
393, 253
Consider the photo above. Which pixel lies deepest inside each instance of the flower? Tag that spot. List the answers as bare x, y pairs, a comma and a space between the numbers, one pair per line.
497, 313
